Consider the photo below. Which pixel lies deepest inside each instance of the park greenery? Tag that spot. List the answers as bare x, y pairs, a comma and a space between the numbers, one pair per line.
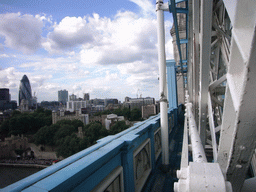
25, 123
63, 136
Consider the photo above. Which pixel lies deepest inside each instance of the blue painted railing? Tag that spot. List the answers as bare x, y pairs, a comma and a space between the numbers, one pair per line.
129, 156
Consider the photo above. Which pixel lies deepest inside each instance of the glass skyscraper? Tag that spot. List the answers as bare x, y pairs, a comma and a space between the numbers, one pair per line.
25, 90
63, 96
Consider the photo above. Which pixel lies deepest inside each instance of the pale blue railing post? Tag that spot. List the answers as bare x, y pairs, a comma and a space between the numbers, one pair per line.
172, 84
127, 162
151, 136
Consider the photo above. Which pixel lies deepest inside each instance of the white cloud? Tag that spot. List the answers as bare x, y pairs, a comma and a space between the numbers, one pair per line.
4, 55
107, 57
38, 81
147, 7
137, 67
9, 77
21, 32
44, 18
126, 38
50, 64
69, 33
1, 47
47, 92
123, 39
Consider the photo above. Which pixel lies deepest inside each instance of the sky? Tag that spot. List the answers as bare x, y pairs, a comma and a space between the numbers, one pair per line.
107, 48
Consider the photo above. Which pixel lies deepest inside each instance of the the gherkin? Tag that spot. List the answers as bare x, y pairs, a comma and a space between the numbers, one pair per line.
25, 90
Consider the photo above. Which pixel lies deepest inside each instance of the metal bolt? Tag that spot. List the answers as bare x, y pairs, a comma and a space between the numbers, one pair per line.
242, 147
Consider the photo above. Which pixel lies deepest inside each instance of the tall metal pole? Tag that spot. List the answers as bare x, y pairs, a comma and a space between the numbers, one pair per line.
162, 83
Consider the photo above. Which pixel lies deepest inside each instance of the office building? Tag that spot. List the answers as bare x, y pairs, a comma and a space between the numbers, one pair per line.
5, 100
75, 105
132, 103
25, 90
86, 96
72, 97
110, 101
4, 94
63, 96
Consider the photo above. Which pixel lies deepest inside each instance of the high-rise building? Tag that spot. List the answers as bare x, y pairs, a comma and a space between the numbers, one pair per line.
4, 94
25, 90
86, 96
63, 96
72, 97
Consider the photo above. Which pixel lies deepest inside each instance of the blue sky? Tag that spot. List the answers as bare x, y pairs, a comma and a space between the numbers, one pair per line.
107, 48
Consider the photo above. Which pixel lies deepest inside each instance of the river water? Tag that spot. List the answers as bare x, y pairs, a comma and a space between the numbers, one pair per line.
9, 175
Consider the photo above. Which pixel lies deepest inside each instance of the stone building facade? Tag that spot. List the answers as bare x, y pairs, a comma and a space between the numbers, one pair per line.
60, 115
8, 147
149, 110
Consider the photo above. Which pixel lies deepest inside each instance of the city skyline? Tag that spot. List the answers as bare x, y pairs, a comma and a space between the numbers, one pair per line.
105, 48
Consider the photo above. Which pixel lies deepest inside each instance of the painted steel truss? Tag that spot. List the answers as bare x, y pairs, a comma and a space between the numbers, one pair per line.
221, 66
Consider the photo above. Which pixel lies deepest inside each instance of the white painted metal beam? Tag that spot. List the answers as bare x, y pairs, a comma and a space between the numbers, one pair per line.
217, 82
212, 128
195, 57
237, 141
205, 51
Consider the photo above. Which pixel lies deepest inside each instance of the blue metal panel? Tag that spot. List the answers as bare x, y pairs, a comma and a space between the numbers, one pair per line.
33, 189
172, 8
99, 175
86, 169
172, 84
181, 10
69, 177
183, 41
127, 161
179, 1
24, 183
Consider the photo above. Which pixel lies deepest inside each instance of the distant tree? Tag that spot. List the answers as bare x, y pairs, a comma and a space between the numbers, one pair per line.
27, 123
20, 124
63, 131
74, 144
4, 128
126, 113
48, 112
94, 131
63, 149
77, 123
106, 112
64, 121
118, 112
69, 146
135, 114
39, 110
40, 136
45, 135
15, 112
118, 127
84, 143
